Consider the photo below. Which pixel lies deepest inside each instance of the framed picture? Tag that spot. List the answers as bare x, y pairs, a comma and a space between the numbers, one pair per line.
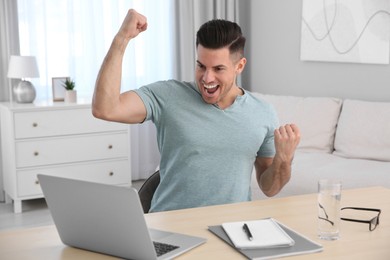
58, 88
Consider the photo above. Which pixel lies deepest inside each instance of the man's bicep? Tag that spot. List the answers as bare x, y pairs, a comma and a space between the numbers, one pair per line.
131, 108
128, 108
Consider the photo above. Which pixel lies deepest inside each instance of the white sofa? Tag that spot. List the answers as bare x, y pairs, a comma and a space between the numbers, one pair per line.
346, 139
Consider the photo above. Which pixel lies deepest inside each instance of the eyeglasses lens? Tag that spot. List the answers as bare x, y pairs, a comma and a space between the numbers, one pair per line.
374, 223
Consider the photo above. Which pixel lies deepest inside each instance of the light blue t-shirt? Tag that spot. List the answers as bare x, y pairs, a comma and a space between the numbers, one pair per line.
207, 154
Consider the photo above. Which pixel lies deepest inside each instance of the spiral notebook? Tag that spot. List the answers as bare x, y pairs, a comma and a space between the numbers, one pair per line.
302, 245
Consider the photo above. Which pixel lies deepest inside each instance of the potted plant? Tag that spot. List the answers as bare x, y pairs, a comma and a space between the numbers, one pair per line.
70, 93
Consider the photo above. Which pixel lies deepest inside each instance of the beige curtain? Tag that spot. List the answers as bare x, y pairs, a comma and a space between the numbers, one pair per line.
9, 43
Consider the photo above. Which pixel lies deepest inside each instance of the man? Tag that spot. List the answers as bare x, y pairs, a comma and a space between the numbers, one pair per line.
210, 133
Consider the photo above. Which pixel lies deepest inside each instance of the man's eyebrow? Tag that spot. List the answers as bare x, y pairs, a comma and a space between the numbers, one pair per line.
216, 66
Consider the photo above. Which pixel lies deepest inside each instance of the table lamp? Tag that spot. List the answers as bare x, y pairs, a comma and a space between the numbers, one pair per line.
22, 67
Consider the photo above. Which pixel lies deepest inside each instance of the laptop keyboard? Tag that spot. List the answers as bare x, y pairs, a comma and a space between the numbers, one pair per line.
162, 248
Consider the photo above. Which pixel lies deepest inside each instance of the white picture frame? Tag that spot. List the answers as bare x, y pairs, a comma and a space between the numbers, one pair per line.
58, 88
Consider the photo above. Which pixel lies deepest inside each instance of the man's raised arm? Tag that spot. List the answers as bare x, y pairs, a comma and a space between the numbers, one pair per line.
108, 103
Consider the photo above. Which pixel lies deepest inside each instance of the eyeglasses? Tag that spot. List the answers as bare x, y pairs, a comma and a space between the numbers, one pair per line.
374, 222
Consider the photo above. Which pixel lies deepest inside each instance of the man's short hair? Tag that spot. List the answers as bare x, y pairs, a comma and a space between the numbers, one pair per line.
218, 33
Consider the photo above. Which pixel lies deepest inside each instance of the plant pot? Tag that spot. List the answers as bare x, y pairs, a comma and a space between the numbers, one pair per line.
70, 96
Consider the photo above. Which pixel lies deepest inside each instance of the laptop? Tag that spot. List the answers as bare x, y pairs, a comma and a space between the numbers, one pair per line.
108, 219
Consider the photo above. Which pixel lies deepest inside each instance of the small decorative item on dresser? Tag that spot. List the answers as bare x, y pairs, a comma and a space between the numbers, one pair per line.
58, 88
70, 93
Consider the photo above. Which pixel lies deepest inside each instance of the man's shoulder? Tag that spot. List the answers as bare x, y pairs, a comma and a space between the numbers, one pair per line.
183, 85
168, 86
256, 100
171, 83
263, 108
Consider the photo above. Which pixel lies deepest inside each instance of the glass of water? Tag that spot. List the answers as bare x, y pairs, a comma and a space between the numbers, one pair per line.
329, 195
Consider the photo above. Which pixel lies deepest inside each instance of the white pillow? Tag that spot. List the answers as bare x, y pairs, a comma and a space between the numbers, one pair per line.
316, 118
364, 130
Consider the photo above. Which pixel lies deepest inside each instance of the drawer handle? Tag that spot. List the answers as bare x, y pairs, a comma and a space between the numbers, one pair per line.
111, 173
37, 182
110, 146
35, 124
36, 153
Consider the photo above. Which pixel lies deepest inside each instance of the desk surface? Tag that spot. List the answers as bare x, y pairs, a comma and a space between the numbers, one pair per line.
297, 212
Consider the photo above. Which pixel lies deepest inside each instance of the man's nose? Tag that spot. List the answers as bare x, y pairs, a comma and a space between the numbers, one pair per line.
208, 76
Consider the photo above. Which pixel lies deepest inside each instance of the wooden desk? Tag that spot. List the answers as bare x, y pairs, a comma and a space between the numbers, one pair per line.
297, 212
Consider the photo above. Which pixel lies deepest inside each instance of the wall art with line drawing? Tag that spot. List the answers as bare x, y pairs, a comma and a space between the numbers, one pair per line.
346, 31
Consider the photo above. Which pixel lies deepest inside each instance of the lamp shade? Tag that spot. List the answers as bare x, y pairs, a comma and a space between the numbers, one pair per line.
23, 67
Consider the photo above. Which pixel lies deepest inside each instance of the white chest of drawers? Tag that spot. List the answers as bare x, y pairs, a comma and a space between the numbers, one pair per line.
63, 140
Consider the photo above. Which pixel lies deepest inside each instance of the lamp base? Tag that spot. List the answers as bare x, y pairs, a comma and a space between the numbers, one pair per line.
24, 92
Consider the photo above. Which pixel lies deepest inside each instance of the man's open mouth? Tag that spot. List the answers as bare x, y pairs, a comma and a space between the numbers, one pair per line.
211, 88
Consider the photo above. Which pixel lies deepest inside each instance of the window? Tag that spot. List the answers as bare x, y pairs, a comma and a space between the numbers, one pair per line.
70, 39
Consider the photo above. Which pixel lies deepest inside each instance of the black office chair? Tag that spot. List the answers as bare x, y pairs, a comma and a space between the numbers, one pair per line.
147, 190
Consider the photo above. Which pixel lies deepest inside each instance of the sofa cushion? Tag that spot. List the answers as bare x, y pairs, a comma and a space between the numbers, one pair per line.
364, 130
316, 117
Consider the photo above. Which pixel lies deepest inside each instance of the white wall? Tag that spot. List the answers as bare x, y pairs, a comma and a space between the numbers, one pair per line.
274, 66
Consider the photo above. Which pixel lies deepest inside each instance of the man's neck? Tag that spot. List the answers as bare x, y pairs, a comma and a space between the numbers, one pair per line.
229, 100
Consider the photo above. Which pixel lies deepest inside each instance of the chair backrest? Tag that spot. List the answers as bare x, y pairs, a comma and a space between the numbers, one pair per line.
147, 190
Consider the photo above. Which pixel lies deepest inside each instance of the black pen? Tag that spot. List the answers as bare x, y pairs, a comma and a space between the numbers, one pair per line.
247, 232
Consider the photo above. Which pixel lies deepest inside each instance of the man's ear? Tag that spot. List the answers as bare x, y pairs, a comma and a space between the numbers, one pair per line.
240, 65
